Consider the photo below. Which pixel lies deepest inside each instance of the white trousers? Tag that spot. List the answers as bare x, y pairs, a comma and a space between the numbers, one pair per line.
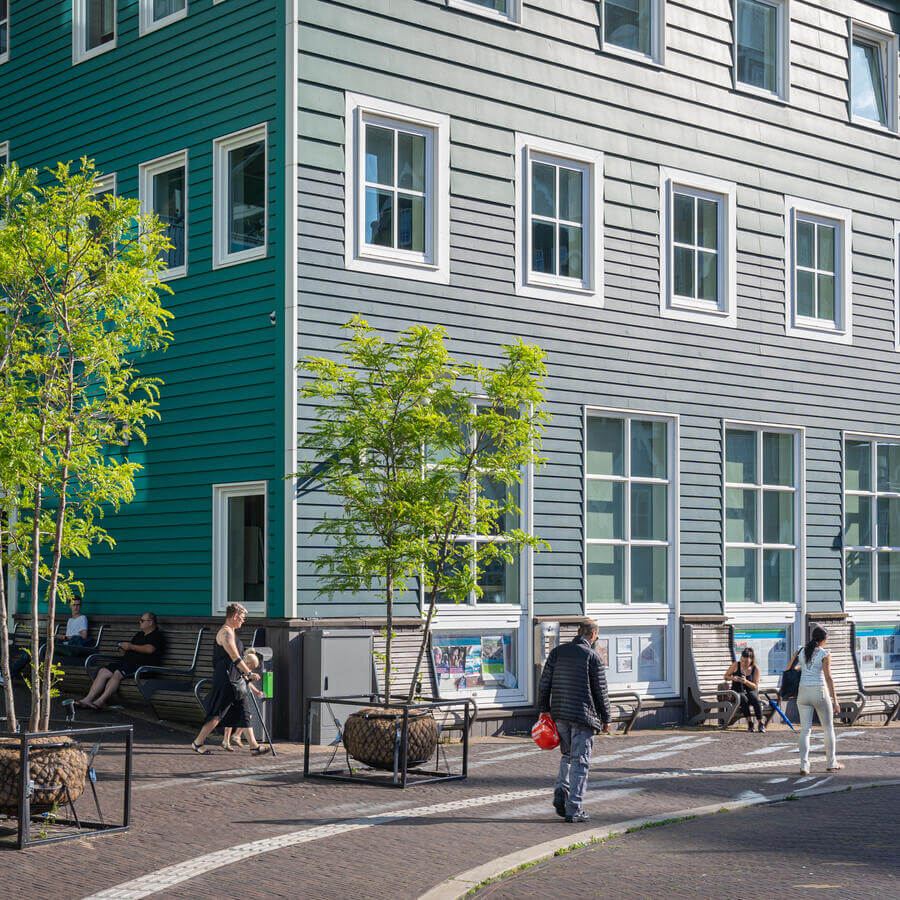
815, 698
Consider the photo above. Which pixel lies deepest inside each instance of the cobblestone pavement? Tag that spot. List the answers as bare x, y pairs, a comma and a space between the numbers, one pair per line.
273, 834
835, 847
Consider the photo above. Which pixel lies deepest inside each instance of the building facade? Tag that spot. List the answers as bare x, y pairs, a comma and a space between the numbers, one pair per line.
692, 208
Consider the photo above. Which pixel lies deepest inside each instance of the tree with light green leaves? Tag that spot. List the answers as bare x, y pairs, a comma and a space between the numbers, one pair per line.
418, 450
80, 289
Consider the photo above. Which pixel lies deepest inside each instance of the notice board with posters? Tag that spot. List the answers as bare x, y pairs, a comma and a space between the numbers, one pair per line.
467, 660
878, 652
770, 647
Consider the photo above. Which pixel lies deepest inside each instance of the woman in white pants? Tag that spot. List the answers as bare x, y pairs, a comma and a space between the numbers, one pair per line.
816, 694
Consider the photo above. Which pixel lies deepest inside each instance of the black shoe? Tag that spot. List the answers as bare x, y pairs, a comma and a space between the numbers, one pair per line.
750, 726
559, 802
579, 817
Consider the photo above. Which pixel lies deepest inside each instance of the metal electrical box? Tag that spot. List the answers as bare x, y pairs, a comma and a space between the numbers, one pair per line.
337, 662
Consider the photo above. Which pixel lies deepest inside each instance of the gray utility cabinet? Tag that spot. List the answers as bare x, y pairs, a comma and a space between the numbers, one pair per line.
337, 662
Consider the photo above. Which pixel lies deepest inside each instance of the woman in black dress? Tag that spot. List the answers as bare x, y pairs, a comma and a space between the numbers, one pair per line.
228, 702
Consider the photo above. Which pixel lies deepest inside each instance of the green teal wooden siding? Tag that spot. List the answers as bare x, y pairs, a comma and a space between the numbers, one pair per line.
212, 73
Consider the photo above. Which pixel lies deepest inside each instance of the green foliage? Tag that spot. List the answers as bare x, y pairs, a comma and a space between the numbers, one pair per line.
80, 278
420, 449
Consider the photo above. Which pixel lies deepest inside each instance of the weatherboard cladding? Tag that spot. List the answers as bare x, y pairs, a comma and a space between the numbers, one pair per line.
207, 75
548, 78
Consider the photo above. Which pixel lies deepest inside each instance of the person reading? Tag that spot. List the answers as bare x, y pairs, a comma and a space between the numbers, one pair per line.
146, 648
744, 678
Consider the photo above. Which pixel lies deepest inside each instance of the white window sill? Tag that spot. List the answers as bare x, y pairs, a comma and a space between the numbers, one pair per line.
90, 54
760, 93
560, 292
635, 614
761, 613
235, 259
872, 611
399, 269
149, 27
513, 17
631, 55
4, 57
872, 125
818, 332
703, 313
172, 274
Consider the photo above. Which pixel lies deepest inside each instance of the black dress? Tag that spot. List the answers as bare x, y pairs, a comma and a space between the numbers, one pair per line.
227, 700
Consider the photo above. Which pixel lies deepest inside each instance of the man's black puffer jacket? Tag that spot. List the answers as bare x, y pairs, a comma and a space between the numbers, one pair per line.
573, 685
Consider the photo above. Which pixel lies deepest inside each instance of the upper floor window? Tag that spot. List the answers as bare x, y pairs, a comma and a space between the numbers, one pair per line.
504, 10
104, 187
559, 209
762, 46
630, 516
4, 154
818, 264
163, 188
397, 190
698, 234
93, 28
239, 545
158, 13
636, 27
240, 210
4, 30
762, 508
873, 76
872, 519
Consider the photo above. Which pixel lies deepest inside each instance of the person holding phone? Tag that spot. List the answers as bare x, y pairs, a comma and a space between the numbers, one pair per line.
744, 678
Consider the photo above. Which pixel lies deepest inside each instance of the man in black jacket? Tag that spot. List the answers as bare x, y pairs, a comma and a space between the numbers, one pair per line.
573, 691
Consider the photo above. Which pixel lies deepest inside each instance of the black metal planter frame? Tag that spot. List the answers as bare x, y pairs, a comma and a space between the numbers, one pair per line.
82, 825
402, 775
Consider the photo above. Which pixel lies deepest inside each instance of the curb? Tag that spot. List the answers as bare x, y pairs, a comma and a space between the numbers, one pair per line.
458, 886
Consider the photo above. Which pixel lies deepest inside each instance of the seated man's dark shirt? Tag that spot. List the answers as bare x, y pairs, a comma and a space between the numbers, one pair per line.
132, 660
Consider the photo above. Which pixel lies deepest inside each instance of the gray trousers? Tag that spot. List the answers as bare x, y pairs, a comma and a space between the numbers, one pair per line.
576, 743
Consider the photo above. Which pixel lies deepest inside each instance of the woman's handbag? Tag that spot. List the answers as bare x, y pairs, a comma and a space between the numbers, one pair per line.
544, 732
790, 681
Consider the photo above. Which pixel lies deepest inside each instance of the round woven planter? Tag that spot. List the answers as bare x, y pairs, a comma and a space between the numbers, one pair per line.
52, 761
370, 735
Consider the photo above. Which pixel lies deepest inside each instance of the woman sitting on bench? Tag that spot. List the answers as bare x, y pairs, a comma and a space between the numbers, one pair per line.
744, 677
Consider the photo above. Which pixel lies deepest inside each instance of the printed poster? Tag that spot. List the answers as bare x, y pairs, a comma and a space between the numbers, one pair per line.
623, 645
770, 647
602, 647
624, 664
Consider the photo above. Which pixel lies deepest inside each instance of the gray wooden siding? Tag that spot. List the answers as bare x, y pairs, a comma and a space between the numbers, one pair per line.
548, 78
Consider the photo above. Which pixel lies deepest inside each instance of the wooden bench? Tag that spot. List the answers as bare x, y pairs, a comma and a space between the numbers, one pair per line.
172, 679
80, 651
708, 652
885, 697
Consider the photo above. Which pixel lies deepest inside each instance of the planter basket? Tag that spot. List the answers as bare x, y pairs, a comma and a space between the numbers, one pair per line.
55, 765
372, 735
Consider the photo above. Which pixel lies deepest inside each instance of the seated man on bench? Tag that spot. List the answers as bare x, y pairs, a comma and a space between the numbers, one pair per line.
76, 640
146, 648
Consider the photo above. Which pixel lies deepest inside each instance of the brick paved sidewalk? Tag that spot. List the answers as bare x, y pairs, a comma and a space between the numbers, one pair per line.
835, 847
318, 841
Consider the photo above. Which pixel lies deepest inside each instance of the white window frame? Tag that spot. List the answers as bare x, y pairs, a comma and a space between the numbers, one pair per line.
106, 183
222, 146
434, 264
80, 53
897, 284
657, 55
148, 24
4, 57
725, 194
760, 611
887, 44
782, 64
221, 493
4, 151
840, 332
513, 15
865, 609
146, 173
588, 291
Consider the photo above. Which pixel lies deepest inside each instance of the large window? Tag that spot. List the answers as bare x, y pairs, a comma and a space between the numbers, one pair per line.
559, 221
819, 269
629, 509
240, 173
93, 28
762, 46
636, 27
873, 77
158, 13
397, 190
697, 248
762, 511
239, 545
872, 520
4, 30
164, 192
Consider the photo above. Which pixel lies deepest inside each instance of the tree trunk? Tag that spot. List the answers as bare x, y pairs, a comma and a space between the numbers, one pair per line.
35, 718
389, 597
432, 603
9, 702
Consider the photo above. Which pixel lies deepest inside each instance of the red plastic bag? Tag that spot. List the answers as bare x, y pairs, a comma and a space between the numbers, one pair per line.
544, 732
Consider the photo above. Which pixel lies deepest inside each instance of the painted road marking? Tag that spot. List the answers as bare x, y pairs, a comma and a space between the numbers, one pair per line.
544, 805
671, 751
171, 876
